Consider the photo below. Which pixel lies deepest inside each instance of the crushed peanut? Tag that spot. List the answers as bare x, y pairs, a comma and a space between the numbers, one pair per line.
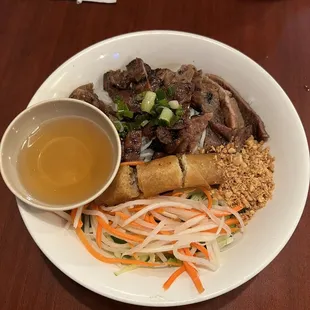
248, 175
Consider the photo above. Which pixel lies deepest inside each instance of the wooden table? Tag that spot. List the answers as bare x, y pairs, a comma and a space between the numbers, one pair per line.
36, 36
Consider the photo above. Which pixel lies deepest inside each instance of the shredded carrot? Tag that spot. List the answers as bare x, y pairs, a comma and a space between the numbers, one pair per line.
223, 231
231, 221
118, 233
187, 252
208, 196
221, 214
105, 212
173, 277
166, 233
109, 260
197, 214
122, 215
192, 272
136, 209
98, 236
134, 239
214, 230
152, 220
159, 210
146, 217
132, 163
201, 248
225, 213
238, 208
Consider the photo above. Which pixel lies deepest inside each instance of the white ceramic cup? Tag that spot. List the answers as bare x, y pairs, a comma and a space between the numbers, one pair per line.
27, 121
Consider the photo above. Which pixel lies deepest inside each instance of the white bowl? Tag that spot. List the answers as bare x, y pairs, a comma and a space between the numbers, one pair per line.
28, 121
269, 230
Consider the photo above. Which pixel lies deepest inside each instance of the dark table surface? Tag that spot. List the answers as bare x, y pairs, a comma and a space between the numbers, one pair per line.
36, 36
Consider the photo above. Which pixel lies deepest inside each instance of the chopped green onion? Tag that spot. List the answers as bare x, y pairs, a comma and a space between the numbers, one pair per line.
166, 116
122, 134
174, 120
140, 96
124, 113
163, 102
144, 123
160, 94
128, 114
170, 91
154, 122
131, 126
158, 109
153, 111
148, 101
118, 125
179, 112
174, 104
122, 109
141, 117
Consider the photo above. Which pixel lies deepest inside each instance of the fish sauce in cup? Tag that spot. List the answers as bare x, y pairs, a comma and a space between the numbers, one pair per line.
65, 160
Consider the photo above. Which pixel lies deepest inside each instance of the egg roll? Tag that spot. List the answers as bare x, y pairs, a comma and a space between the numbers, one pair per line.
159, 176
200, 170
123, 188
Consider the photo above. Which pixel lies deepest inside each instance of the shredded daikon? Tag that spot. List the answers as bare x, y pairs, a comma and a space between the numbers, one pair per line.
77, 217
147, 240
156, 229
202, 139
145, 144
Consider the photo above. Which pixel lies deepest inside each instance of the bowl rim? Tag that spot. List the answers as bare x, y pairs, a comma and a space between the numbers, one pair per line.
54, 207
269, 259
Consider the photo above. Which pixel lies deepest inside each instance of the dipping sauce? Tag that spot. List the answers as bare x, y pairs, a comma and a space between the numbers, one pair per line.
65, 160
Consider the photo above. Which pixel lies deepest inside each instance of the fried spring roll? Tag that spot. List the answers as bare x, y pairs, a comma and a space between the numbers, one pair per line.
159, 176
123, 188
200, 170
